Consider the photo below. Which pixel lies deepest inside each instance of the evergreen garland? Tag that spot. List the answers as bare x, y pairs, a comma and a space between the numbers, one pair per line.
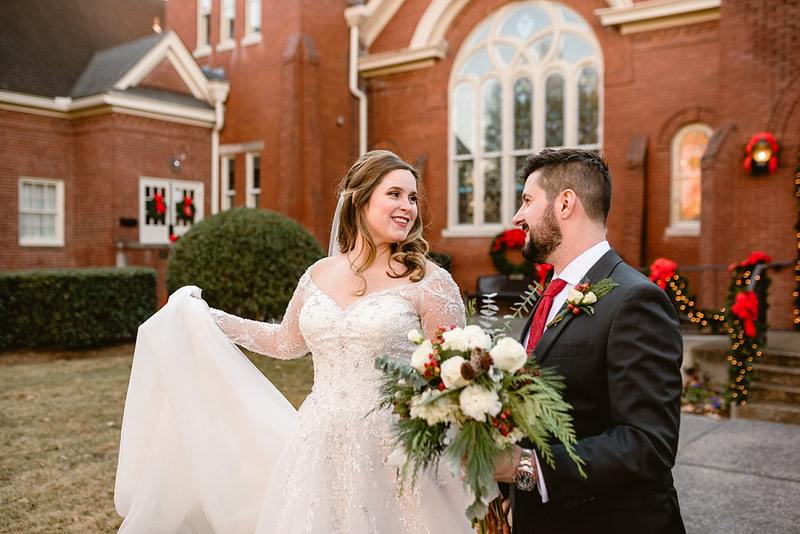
746, 341
797, 262
745, 324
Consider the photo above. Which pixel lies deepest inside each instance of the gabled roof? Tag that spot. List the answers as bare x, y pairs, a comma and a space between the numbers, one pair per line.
108, 66
46, 45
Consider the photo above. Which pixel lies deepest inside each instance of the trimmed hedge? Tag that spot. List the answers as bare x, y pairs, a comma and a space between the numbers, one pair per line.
74, 308
247, 261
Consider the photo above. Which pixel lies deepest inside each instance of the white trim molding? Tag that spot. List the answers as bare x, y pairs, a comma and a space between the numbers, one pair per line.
371, 18
400, 61
657, 14
67, 108
213, 92
171, 48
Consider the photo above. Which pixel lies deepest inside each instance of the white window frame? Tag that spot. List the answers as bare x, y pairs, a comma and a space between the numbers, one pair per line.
203, 23
252, 22
677, 227
228, 194
227, 17
507, 75
57, 212
159, 234
253, 193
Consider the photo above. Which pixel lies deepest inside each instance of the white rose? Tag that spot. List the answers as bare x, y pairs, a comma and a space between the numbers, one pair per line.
508, 355
451, 372
454, 340
415, 336
477, 402
443, 410
574, 296
421, 356
474, 336
589, 298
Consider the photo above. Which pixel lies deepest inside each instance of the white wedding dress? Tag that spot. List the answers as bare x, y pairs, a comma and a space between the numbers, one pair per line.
210, 446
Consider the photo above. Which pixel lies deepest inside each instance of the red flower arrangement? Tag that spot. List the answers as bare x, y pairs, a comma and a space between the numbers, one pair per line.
746, 309
662, 270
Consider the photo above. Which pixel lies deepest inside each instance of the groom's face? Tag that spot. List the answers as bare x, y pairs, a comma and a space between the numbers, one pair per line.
537, 218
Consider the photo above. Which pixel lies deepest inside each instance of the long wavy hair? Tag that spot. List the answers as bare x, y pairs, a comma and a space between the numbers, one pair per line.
356, 188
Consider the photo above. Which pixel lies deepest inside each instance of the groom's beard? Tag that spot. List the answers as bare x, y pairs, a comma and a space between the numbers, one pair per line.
543, 239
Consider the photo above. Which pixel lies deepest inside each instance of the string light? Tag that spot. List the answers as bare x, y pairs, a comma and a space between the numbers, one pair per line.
744, 349
796, 293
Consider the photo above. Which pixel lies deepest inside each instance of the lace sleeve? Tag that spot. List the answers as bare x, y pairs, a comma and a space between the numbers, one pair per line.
283, 341
440, 303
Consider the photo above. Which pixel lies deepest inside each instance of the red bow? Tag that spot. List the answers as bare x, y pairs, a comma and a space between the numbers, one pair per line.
769, 138
752, 259
542, 270
746, 309
661, 271
187, 206
160, 207
513, 238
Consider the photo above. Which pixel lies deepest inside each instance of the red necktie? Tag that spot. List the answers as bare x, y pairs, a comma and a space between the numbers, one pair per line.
540, 316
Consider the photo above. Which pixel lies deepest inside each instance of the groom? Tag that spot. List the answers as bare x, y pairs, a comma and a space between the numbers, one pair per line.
621, 367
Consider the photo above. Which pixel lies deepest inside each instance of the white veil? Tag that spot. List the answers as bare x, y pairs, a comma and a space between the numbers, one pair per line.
333, 244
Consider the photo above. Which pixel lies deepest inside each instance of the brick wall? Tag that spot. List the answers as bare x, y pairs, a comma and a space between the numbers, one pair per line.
737, 73
310, 137
100, 160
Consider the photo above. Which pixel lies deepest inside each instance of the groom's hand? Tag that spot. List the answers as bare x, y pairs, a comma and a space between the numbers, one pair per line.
506, 466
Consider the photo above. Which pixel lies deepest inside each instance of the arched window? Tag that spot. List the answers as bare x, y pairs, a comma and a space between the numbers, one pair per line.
529, 76
688, 146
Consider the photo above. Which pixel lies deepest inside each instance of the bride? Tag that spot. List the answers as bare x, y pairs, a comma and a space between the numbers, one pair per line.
208, 445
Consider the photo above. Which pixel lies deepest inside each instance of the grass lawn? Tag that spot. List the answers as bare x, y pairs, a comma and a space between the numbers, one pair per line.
60, 416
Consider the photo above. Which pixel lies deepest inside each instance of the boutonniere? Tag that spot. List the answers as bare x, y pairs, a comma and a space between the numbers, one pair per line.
582, 297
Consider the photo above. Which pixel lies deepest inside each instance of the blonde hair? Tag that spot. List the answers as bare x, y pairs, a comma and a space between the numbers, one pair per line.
356, 188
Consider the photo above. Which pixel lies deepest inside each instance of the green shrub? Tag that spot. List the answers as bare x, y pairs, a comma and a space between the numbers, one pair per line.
74, 308
247, 261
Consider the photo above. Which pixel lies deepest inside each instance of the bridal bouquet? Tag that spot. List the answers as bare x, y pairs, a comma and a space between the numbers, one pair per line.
468, 395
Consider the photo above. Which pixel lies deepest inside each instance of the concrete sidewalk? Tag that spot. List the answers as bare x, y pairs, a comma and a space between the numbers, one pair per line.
738, 476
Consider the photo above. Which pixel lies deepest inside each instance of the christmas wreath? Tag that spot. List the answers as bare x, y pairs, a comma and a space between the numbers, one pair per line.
185, 210
513, 238
156, 209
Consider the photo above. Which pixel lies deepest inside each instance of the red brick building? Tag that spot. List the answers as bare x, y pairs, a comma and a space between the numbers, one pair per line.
670, 91
100, 111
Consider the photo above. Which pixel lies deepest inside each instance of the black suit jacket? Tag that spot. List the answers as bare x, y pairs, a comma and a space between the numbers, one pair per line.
621, 367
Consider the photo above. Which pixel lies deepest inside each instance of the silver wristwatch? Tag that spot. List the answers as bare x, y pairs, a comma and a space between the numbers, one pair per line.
525, 477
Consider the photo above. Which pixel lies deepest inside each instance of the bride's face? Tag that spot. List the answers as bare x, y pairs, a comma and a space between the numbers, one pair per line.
392, 209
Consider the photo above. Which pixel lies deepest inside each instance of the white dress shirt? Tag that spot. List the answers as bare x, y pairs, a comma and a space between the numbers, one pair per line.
573, 274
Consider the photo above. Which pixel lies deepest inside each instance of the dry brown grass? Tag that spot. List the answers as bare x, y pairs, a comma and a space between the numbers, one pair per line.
60, 415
